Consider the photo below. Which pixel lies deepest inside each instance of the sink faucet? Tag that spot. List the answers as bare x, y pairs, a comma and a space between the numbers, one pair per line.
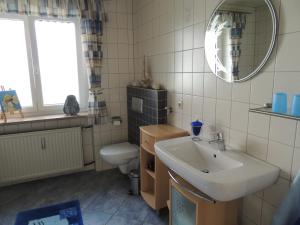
219, 140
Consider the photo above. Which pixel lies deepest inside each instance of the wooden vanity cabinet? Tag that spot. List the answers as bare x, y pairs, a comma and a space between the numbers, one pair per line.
154, 174
190, 209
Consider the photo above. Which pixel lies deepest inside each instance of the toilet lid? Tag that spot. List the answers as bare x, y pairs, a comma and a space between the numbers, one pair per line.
124, 148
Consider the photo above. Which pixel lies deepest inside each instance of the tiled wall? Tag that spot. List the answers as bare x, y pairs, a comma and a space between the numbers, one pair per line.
154, 112
118, 72
171, 34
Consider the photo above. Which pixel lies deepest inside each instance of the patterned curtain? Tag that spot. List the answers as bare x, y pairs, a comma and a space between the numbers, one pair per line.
91, 15
236, 22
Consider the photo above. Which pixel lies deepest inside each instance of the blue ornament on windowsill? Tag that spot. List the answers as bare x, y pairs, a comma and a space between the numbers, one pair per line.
71, 106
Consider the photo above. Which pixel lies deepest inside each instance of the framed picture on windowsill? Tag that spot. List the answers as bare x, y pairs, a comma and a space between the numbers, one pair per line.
9, 104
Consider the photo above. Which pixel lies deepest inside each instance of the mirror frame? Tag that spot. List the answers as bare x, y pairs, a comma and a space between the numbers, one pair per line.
271, 46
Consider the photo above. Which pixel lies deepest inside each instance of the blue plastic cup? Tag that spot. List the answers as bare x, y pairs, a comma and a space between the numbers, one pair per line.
279, 103
296, 105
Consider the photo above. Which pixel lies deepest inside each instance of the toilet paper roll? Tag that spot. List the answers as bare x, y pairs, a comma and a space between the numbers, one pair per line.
116, 122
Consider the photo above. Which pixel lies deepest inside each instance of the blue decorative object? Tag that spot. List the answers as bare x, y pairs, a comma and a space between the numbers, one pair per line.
71, 106
296, 105
196, 128
279, 103
65, 213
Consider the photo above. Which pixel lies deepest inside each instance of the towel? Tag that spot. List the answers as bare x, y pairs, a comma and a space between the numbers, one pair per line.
289, 210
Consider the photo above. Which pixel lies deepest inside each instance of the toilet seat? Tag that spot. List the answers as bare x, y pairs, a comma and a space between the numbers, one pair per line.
119, 153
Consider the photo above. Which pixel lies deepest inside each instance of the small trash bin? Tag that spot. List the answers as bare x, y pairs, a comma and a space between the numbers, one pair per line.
134, 177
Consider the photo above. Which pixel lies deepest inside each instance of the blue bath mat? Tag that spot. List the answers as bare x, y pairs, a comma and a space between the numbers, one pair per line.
67, 213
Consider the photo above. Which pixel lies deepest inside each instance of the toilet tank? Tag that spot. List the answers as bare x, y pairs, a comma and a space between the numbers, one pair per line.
144, 107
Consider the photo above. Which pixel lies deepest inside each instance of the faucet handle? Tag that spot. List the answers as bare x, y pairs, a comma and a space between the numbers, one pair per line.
219, 135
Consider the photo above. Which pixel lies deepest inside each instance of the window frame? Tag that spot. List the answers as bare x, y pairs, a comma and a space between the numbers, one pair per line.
38, 108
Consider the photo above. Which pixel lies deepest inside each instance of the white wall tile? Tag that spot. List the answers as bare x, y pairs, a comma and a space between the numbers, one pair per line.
178, 40
178, 11
188, 61
259, 125
178, 62
187, 105
287, 54
257, 147
209, 111
197, 107
275, 194
198, 82
187, 80
188, 12
238, 140
188, 38
199, 30
210, 85
281, 156
297, 142
199, 11
241, 92
239, 116
178, 82
198, 60
262, 88
223, 111
283, 130
289, 16
287, 82
296, 162
224, 90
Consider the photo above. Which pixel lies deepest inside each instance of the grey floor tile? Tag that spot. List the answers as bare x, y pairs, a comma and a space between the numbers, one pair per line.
134, 208
103, 199
95, 218
154, 219
117, 220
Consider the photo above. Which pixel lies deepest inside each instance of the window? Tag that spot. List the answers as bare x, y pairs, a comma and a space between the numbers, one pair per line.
42, 60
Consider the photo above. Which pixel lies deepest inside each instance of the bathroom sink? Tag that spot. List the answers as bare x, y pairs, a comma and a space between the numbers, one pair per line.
222, 175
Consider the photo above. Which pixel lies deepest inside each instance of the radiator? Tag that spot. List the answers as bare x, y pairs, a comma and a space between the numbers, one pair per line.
37, 154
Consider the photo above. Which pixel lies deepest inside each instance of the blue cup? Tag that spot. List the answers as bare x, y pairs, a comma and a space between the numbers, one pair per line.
196, 127
296, 105
279, 103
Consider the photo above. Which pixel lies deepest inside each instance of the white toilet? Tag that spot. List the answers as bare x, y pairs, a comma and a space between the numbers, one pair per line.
124, 155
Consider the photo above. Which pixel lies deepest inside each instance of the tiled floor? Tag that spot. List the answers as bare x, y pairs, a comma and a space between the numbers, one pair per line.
103, 198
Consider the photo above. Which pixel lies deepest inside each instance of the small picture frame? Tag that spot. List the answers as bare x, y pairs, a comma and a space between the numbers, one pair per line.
9, 103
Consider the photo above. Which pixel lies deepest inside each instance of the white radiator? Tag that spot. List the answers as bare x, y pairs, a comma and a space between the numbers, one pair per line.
36, 154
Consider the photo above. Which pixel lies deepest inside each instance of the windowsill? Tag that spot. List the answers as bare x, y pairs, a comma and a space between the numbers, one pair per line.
41, 118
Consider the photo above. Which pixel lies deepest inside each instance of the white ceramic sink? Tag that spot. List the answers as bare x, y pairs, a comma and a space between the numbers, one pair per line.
224, 176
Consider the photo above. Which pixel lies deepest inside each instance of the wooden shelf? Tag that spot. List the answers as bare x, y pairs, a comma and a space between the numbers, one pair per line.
147, 150
149, 197
155, 184
151, 173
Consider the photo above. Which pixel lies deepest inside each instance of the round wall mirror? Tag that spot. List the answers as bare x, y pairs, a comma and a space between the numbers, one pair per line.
239, 38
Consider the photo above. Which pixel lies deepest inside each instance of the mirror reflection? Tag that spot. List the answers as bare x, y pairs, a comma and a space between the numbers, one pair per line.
239, 38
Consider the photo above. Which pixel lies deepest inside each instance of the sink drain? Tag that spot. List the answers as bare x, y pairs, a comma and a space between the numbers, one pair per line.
205, 171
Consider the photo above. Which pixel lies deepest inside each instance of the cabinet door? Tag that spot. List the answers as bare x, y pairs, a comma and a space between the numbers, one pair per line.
183, 210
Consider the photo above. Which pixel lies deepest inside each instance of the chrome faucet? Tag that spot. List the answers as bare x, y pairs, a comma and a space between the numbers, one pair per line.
219, 140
